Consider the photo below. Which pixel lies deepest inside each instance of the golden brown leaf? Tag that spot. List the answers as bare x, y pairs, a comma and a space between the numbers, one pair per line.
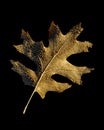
51, 60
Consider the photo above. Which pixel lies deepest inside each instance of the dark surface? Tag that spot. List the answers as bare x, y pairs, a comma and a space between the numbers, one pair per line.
76, 106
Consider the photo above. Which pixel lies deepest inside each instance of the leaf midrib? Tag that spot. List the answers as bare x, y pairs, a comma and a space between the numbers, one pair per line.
38, 81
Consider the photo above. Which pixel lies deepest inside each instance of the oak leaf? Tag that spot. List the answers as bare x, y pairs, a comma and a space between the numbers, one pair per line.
51, 60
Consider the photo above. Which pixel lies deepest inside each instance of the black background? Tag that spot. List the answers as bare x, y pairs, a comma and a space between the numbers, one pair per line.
77, 106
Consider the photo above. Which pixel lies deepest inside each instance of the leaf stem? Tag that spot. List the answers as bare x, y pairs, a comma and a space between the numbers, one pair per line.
24, 111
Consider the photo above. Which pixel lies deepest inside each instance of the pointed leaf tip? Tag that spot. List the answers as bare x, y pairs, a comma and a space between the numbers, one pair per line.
53, 30
25, 35
76, 30
23, 31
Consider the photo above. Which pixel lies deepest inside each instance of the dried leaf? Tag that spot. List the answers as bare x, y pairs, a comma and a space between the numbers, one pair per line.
51, 60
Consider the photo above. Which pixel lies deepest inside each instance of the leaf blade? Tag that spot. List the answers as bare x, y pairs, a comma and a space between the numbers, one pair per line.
52, 60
